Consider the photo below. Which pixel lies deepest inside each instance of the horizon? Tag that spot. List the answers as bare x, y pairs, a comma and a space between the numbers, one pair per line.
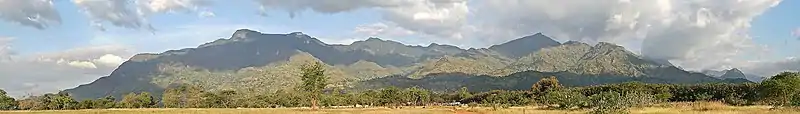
48, 45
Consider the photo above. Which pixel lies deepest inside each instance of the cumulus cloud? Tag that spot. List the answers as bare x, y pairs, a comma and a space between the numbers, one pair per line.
39, 14
134, 13
442, 18
82, 64
692, 33
49, 72
109, 60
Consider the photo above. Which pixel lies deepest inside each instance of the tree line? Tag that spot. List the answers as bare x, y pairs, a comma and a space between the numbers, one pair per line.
782, 90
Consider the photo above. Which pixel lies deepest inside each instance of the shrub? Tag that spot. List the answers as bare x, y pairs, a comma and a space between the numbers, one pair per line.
795, 102
736, 101
608, 103
779, 89
563, 99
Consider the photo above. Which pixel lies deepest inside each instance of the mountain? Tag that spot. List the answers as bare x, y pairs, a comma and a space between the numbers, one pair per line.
216, 65
733, 74
524, 46
254, 61
581, 58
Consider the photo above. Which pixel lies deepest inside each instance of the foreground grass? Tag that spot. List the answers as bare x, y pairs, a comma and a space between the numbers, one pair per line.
675, 108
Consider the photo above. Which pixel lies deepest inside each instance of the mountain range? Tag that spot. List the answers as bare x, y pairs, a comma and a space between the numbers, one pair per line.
254, 61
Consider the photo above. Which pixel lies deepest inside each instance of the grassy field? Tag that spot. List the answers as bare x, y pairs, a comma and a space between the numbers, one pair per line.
675, 108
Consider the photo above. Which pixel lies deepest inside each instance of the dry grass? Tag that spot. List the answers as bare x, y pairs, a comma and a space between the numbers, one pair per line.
673, 108
711, 108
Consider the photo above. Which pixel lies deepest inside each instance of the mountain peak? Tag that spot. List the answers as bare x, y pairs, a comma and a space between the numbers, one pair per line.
377, 42
244, 33
608, 46
523, 46
299, 35
733, 73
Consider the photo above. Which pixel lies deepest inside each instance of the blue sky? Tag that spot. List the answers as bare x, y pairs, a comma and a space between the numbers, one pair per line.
673, 30
774, 28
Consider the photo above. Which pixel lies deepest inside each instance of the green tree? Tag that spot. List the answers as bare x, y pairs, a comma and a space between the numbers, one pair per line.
105, 102
417, 96
546, 84
781, 88
86, 104
141, 100
183, 96
7, 102
314, 80
369, 97
463, 93
390, 96
60, 101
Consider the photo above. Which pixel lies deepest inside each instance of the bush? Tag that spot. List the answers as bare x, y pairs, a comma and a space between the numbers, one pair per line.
736, 101
608, 103
612, 102
795, 102
563, 99
780, 89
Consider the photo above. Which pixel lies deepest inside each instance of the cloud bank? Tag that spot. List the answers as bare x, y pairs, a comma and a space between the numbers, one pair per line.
39, 14
695, 34
133, 14
50, 72
441, 18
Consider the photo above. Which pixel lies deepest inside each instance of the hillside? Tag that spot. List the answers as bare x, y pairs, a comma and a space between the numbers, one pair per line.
253, 61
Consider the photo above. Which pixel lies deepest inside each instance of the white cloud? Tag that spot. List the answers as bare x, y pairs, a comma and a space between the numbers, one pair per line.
86, 53
441, 18
49, 72
692, 33
82, 64
133, 13
109, 60
382, 29
39, 14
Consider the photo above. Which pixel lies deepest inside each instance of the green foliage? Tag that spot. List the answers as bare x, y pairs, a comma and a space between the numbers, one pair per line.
608, 103
612, 102
795, 102
7, 102
141, 100
546, 84
463, 93
390, 96
183, 96
314, 80
60, 101
417, 96
563, 99
780, 89
105, 102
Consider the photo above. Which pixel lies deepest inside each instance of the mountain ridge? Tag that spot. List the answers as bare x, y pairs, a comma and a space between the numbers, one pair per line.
252, 59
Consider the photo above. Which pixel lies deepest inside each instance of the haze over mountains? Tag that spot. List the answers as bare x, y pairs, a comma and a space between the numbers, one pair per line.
253, 61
